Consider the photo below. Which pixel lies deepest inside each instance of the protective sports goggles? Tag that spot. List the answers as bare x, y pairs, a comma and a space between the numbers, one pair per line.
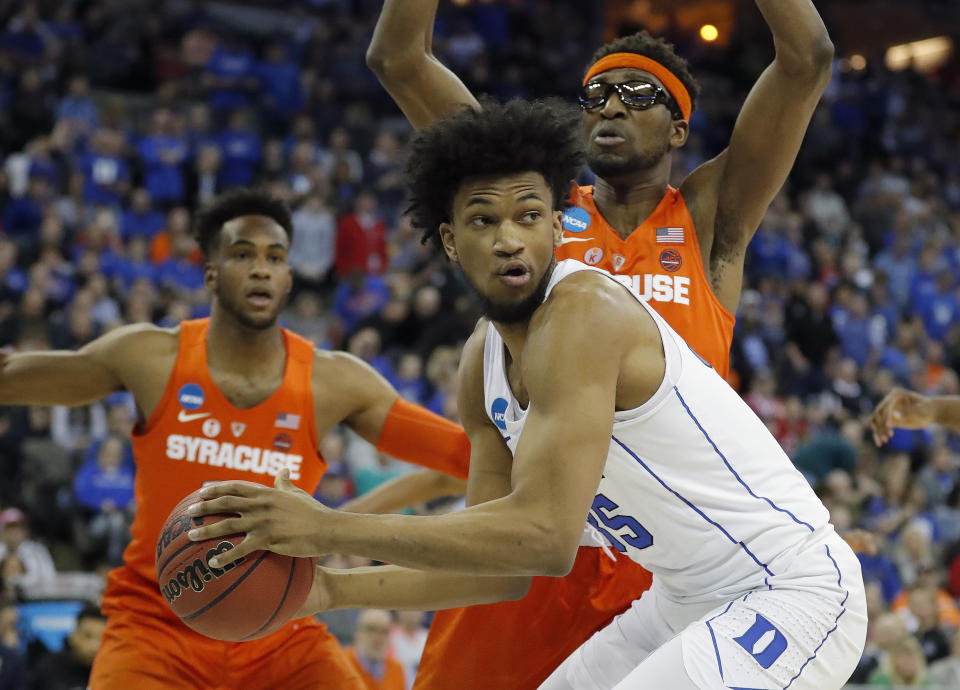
639, 95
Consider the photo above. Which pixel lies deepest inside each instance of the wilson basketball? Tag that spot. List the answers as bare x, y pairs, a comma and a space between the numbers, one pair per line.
244, 600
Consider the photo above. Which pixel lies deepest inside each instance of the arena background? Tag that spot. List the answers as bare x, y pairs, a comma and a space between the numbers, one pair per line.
118, 119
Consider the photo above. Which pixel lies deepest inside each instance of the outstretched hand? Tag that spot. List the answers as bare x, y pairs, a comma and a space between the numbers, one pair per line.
900, 408
284, 519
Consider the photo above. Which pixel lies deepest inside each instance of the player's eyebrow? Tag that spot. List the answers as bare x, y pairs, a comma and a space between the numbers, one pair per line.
478, 201
530, 195
248, 243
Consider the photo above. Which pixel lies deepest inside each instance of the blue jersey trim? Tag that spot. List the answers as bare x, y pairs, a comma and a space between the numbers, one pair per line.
697, 510
733, 471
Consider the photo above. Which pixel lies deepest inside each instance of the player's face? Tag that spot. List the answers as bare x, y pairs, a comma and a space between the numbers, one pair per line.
503, 233
249, 273
621, 140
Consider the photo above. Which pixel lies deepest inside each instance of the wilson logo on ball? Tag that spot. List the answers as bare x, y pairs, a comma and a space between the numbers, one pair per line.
195, 575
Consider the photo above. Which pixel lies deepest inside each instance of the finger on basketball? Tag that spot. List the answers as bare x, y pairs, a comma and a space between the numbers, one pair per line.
244, 548
245, 489
219, 529
224, 504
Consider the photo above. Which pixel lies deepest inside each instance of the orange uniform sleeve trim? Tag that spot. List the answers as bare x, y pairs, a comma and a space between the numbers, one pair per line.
414, 434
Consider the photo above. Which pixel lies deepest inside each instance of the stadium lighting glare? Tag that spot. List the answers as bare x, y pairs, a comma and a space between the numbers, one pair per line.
858, 62
709, 33
923, 56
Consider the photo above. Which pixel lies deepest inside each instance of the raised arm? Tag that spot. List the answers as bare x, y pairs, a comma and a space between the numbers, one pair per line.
401, 56
740, 184
106, 365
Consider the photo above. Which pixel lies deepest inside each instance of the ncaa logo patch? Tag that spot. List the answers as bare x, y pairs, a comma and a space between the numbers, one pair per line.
498, 413
671, 260
211, 428
190, 396
575, 219
593, 256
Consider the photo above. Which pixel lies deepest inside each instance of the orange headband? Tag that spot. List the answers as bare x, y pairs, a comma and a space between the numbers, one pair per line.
674, 86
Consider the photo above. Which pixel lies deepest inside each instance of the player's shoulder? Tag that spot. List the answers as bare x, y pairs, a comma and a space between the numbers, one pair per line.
590, 292
590, 306
139, 339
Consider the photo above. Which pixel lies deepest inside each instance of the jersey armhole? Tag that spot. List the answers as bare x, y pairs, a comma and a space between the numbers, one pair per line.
142, 429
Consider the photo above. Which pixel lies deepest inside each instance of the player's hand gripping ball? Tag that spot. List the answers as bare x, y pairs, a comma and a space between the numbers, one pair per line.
243, 600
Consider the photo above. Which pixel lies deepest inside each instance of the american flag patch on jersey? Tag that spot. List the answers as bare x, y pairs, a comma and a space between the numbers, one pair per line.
669, 235
288, 421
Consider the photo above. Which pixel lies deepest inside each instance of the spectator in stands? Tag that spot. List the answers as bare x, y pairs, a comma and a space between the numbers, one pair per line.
240, 147
408, 637
339, 151
15, 541
946, 672
230, 76
163, 153
69, 668
13, 666
280, 96
904, 665
312, 253
361, 239
204, 179
106, 485
106, 176
141, 219
370, 653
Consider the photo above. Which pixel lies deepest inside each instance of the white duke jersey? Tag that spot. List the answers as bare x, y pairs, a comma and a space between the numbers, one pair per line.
695, 488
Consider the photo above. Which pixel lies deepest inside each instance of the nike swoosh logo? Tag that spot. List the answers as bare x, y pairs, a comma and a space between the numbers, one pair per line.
567, 240
184, 416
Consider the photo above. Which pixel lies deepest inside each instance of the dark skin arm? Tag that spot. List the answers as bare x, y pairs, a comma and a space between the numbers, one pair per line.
401, 56
729, 195
396, 587
138, 358
907, 410
536, 528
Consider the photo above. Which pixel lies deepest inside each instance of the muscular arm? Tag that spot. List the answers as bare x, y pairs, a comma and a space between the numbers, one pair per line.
108, 364
401, 56
535, 529
731, 193
346, 389
404, 588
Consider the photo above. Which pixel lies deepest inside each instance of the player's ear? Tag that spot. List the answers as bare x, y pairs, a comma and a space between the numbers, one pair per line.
679, 134
210, 276
557, 228
449, 243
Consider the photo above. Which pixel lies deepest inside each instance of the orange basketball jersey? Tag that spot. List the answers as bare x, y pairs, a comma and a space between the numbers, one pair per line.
517, 644
195, 436
662, 257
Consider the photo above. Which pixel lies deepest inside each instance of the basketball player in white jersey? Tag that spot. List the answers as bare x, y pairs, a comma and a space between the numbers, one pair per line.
583, 406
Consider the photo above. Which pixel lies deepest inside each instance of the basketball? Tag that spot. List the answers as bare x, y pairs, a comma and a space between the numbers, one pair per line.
244, 600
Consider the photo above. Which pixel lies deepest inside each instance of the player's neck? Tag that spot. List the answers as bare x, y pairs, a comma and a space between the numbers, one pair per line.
626, 202
234, 346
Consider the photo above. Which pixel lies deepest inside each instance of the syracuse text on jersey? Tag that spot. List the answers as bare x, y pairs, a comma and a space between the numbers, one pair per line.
206, 451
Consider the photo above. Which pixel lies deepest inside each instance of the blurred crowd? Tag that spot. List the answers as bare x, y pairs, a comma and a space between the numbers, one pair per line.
118, 120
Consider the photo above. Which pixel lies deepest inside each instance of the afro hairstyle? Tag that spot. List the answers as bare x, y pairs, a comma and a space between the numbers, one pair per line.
498, 140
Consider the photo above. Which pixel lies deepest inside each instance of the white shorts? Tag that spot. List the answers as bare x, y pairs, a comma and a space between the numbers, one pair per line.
805, 638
